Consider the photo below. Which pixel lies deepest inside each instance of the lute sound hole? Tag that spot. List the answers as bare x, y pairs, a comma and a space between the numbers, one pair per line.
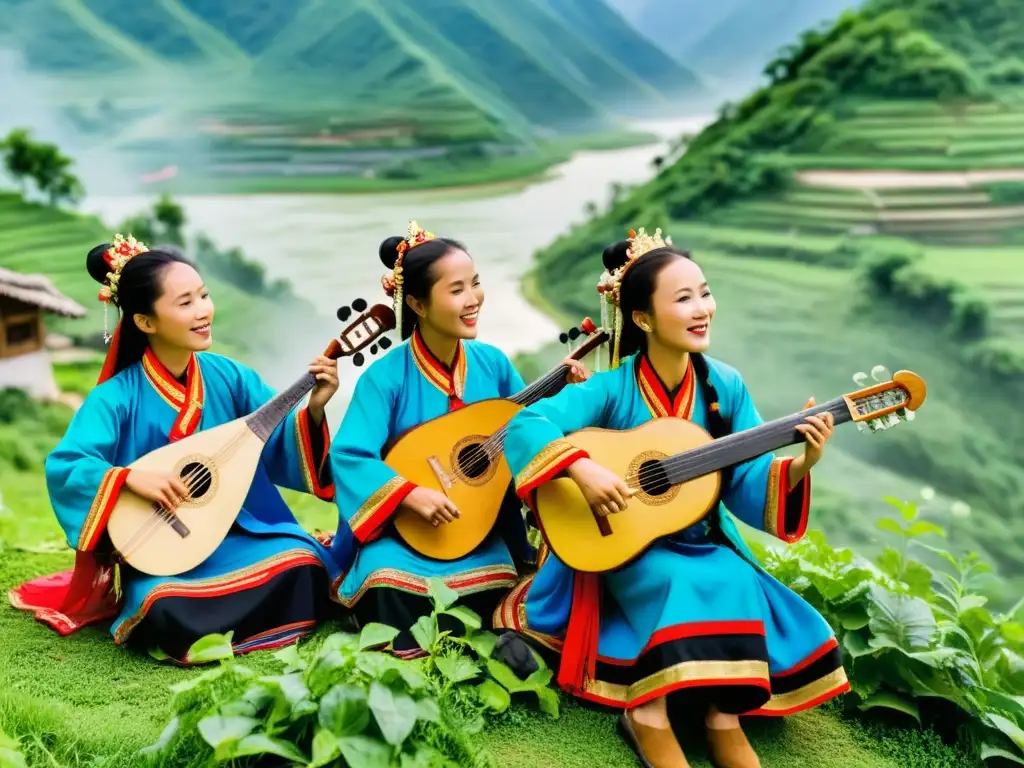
197, 478
473, 461
653, 479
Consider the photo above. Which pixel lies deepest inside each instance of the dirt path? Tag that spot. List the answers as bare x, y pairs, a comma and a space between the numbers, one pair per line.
906, 179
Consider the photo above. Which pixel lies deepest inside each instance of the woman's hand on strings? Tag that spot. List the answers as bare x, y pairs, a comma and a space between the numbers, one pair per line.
166, 490
816, 430
326, 372
605, 492
577, 371
433, 506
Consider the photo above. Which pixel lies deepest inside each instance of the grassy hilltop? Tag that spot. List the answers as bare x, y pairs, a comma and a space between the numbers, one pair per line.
866, 208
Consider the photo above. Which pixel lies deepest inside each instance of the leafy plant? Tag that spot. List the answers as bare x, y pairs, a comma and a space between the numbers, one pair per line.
916, 639
342, 702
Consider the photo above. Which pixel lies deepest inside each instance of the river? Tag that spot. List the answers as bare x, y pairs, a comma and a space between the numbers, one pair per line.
326, 245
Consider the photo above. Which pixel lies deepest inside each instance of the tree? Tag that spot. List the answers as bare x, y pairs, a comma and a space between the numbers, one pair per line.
44, 164
171, 217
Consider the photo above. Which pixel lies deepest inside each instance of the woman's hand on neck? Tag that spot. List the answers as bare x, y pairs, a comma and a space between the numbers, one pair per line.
670, 364
174, 358
441, 345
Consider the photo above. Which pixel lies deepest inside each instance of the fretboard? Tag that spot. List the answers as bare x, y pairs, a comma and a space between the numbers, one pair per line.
547, 385
748, 444
265, 419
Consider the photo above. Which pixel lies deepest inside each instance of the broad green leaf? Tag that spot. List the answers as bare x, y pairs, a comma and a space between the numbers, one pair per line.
395, 713
988, 752
908, 509
923, 527
900, 621
890, 561
255, 699
470, 619
344, 710
890, 700
458, 669
547, 699
444, 597
341, 642
504, 675
374, 635
493, 696
970, 602
261, 744
424, 632
217, 729
211, 648
889, 525
327, 669
918, 579
427, 709
166, 736
856, 645
206, 677
325, 749
290, 657
1008, 728
291, 685
155, 653
364, 752
1005, 702
540, 678
483, 643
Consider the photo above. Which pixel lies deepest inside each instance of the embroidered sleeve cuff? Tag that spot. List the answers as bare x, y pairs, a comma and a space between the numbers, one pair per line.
552, 459
786, 511
368, 521
314, 442
102, 505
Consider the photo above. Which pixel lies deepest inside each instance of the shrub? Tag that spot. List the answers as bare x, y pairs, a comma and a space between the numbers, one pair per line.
343, 700
916, 640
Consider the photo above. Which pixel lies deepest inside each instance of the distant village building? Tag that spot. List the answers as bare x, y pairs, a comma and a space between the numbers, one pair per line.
24, 360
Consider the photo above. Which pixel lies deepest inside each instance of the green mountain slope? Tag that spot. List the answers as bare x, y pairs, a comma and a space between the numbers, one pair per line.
736, 48
489, 54
867, 207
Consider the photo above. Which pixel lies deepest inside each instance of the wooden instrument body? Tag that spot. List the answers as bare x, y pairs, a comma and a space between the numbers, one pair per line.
656, 510
230, 453
444, 454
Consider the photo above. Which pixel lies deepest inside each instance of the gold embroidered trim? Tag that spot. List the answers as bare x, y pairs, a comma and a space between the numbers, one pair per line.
465, 583
813, 691
774, 497
100, 505
549, 456
240, 579
377, 499
684, 672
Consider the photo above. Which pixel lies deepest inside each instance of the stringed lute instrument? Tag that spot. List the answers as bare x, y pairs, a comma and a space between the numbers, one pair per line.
674, 470
217, 466
461, 454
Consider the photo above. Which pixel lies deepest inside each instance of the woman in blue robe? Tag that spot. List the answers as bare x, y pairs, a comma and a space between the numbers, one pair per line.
440, 367
695, 613
268, 581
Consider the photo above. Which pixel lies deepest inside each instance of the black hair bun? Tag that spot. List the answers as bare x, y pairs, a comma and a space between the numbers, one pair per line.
616, 255
96, 264
389, 251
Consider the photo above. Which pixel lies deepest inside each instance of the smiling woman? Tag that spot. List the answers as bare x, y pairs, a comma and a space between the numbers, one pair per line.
268, 580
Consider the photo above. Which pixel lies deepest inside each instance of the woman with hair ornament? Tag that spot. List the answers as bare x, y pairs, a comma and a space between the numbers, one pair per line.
695, 616
440, 367
268, 582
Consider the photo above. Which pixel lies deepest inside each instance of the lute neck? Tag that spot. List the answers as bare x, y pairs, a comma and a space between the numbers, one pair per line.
750, 443
548, 384
264, 420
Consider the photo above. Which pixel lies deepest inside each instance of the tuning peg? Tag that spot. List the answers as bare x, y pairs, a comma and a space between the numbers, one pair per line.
574, 333
344, 313
373, 349
587, 326
881, 374
359, 305
384, 342
860, 378
358, 359
564, 338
